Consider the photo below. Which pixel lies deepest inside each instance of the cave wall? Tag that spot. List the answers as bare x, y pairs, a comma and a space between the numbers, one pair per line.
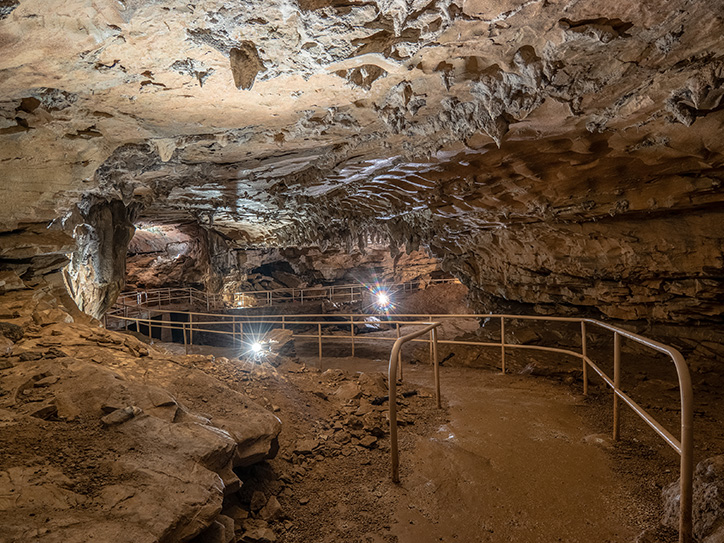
187, 255
167, 256
665, 269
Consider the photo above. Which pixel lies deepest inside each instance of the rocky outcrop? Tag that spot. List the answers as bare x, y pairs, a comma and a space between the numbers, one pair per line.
33, 251
96, 272
626, 268
708, 501
167, 256
104, 437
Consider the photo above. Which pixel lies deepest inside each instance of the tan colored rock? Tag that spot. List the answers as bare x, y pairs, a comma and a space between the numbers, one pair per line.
10, 281
156, 476
272, 511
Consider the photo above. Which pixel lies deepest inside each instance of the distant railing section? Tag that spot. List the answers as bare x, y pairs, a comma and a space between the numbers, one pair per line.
243, 328
162, 297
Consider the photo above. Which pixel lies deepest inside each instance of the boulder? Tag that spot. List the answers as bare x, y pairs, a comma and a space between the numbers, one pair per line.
708, 501
348, 391
373, 384
9, 280
161, 470
6, 346
11, 331
257, 531
272, 510
119, 416
289, 280
258, 500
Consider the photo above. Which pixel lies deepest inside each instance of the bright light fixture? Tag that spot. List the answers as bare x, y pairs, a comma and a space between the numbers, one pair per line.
256, 347
383, 300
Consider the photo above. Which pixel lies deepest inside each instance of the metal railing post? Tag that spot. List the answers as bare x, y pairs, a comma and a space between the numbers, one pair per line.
186, 343
399, 355
616, 384
392, 396
319, 338
351, 332
283, 323
502, 344
686, 469
437, 367
191, 328
233, 331
584, 352
392, 399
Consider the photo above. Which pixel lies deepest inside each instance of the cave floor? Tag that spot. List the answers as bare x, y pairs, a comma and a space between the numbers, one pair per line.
512, 463
508, 458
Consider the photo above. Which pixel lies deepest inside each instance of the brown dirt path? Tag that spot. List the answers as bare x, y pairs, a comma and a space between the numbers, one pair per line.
510, 465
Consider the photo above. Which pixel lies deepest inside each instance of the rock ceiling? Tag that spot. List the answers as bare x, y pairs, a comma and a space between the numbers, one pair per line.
572, 140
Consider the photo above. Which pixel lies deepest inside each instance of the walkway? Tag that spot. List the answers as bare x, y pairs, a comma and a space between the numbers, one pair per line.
510, 465
190, 298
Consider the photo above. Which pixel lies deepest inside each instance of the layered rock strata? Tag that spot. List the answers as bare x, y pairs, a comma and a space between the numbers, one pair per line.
104, 437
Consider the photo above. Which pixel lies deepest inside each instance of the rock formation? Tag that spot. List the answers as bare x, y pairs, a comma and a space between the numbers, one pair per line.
109, 439
556, 154
170, 256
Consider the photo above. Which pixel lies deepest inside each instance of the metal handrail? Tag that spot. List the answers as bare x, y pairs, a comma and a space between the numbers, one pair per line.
330, 292
392, 384
683, 446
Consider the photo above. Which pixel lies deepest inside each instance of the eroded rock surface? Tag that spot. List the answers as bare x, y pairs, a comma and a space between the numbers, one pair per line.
555, 154
708, 501
104, 437
169, 256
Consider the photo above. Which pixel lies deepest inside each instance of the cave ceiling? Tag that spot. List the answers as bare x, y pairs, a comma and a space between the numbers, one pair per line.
279, 122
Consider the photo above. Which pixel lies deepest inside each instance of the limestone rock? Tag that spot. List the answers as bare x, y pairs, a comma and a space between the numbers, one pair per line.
348, 391
6, 346
272, 510
160, 471
11, 331
9, 280
258, 500
257, 531
373, 384
708, 501
119, 416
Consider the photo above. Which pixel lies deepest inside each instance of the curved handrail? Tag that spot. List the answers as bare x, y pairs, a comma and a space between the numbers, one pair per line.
392, 384
282, 294
684, 446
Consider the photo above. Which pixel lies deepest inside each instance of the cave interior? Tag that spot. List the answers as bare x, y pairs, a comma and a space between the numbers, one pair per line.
177, 176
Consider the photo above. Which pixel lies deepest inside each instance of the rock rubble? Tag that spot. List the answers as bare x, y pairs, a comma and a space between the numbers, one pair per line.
111, 439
